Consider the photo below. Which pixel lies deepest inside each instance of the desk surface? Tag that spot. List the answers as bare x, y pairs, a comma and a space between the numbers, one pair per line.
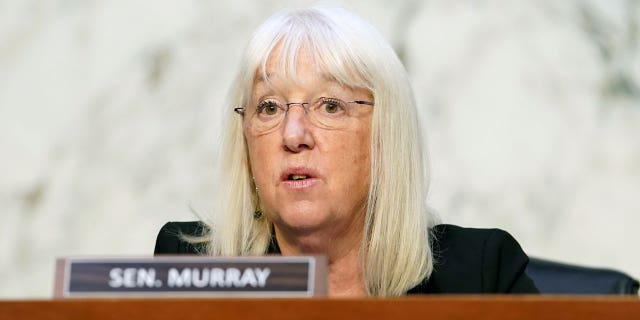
432, 307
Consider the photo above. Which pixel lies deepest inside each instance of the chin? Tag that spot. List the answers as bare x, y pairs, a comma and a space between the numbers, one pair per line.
302, 220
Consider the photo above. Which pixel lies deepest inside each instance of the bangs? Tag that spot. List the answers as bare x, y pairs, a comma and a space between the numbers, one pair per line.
331, 50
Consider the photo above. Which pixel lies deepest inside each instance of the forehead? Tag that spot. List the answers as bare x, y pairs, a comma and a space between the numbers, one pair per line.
301, 70
276, 81
289, 66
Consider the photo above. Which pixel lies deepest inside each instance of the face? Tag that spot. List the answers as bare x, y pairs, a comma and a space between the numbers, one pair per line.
310, 178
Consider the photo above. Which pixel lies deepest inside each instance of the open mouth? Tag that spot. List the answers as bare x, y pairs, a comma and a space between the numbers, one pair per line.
299, 177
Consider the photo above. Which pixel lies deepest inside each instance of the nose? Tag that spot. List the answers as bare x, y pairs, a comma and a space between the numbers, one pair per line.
296, 133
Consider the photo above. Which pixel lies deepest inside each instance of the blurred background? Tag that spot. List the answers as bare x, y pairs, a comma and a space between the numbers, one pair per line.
109, 117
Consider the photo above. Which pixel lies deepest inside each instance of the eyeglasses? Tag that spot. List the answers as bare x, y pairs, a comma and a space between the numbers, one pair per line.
330, 113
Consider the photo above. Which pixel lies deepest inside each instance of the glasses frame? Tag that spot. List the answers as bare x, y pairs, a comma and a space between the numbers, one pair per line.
305, 106
241, 110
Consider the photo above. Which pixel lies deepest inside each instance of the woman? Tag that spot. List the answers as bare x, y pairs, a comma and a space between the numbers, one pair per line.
323, 156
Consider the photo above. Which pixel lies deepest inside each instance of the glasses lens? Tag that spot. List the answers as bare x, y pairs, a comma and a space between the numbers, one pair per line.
330, 112
267, 115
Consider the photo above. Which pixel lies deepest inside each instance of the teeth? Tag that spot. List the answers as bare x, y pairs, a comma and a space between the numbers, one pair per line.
298, 176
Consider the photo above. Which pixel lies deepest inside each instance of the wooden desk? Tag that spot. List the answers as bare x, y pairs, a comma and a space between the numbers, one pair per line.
431, 307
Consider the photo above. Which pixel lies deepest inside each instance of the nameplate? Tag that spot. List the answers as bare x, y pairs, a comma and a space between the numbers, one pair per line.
189, 276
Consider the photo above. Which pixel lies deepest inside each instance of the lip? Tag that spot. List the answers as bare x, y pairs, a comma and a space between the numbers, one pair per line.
311, 180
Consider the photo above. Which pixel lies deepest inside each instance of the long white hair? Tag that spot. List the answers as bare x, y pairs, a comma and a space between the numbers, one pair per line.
396, 253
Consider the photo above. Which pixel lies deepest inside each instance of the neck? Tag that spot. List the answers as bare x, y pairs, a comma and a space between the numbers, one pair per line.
343, 255
345, 275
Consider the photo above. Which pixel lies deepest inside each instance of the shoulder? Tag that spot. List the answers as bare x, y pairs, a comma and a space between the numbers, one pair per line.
472, 244
171, 239
469, 260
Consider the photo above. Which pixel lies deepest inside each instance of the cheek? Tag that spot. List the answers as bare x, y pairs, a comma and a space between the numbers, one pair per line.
353, 161
260, 160
362, 161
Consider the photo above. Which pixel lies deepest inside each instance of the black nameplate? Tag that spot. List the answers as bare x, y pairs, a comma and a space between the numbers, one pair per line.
267, 276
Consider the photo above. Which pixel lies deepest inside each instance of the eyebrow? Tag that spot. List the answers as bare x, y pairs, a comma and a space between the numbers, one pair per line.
260, 76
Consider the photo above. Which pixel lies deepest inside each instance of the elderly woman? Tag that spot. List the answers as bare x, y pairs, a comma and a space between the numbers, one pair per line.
323, 155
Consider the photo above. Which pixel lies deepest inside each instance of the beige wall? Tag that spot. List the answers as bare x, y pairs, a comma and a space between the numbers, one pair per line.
108, 122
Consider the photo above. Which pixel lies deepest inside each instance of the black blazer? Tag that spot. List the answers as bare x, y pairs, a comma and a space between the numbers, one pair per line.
466, 260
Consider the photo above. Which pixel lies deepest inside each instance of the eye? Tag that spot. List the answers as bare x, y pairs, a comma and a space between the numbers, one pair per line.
268, 107
331, 105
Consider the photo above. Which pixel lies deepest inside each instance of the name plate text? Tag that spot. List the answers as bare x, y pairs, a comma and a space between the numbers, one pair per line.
265, 276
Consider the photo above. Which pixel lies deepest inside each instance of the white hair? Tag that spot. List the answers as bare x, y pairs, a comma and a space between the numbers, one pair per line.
396, 253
